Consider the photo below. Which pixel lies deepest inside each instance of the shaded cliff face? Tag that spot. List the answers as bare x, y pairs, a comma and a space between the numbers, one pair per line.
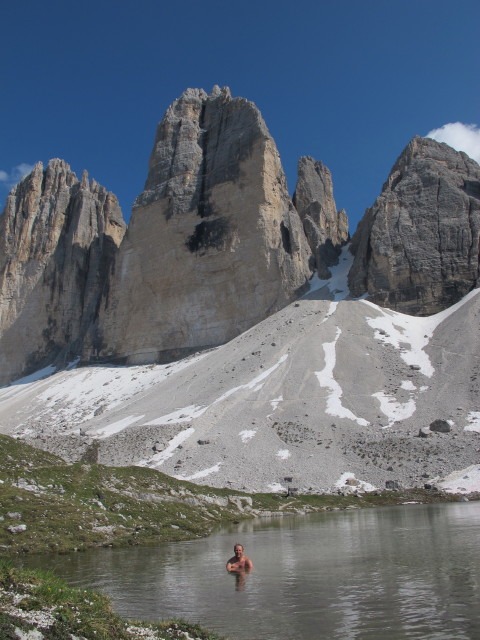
417, 249
325, 227
214, 244
58, 236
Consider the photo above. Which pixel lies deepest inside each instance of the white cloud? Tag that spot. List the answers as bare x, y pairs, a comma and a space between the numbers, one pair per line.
10, 178
462, 137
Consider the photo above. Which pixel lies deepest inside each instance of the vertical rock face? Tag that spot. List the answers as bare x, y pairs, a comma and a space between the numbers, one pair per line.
325, 227
214, 244
58, 236
417, 249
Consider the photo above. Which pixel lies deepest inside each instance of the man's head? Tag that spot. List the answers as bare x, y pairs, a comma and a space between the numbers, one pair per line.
238, 550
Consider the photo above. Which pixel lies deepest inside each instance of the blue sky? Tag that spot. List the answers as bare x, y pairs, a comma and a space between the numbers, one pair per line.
348, 82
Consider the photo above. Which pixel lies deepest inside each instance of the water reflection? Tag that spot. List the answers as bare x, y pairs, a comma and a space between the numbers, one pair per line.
240, 579
404, 573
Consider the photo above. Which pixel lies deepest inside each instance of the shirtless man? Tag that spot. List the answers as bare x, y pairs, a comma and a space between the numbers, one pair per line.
239, 562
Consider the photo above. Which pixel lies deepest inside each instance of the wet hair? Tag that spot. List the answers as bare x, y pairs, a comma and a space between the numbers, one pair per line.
238, 544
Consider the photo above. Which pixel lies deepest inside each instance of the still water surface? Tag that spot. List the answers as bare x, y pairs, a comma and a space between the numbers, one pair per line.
377, 574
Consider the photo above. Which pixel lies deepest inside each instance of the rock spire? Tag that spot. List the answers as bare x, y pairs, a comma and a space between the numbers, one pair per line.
325, 227
214, 245
58, 236
417, 248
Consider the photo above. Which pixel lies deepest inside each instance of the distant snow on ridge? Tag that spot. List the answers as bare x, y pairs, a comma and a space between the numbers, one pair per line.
336, 287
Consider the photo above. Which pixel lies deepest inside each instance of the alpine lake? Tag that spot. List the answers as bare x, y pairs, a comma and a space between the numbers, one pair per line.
410, 571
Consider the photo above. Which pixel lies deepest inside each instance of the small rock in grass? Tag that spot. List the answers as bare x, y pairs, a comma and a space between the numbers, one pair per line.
19, 528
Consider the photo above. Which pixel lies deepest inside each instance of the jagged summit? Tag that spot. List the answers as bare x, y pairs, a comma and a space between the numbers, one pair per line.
325, 227
57, 240
199, 143
417, 249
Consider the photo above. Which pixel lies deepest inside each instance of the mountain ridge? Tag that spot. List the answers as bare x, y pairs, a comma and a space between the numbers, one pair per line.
313, 385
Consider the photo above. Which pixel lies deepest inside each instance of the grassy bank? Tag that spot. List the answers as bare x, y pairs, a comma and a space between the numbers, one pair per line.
49, 505
41, 606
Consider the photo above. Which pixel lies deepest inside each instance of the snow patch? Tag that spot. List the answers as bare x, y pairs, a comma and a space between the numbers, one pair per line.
194, 411
187, 414
394, 410
283, 454
463, 481
46, 372
73, 364
408, 385
337, 285
342, 482
275, 402
326, 380
201, 474
114, 427
276, 487
411, 334
247, 434
473, 421
259, 379
256, 384
73, 396
331, 310
159, 458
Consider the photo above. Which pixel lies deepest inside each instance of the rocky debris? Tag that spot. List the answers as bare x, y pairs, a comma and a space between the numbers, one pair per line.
416, 249
325, 227
393, 485
215, 244
440, 426
424, 432
58, 237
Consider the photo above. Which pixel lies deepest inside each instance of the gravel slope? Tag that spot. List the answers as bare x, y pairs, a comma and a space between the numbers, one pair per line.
316, 393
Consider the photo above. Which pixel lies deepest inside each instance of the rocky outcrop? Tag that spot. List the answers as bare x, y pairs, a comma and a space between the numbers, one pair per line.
417, 249
325, 227
214, 244
58, 236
